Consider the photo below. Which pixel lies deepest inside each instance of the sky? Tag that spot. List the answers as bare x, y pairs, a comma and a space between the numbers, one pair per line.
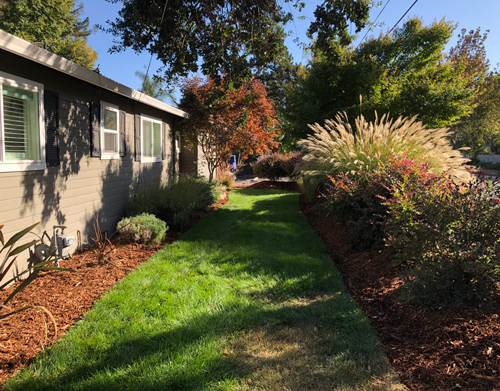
468, 14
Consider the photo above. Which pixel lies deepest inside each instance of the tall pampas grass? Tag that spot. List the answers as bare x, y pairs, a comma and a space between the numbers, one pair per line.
338, 147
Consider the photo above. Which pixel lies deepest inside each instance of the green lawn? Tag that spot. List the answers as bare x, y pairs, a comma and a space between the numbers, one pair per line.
248, 299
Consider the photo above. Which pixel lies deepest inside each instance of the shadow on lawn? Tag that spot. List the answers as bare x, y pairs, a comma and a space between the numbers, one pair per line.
308, 296
265, 240
128, 362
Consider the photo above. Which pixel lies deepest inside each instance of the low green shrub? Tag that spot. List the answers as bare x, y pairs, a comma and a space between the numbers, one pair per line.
144, 228
175, 202
277, 165
447, 238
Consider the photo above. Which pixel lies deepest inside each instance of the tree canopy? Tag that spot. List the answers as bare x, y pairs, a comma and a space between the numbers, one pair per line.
405, 72
225, 120
481, 130
223, 39
56, 25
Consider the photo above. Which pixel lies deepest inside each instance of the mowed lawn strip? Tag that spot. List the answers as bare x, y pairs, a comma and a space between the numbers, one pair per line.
248, 299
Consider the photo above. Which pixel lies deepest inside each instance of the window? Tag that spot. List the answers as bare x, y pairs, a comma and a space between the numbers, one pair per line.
151, 139
110, 134
22, 132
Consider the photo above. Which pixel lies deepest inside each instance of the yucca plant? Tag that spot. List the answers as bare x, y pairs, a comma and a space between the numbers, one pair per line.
338, 147
11, 250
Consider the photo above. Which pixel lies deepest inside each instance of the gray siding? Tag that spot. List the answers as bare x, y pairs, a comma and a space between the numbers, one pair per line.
81, 187
192, 160
188, 158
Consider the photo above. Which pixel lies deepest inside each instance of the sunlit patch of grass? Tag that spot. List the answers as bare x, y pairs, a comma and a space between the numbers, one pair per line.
248, 299
303, 358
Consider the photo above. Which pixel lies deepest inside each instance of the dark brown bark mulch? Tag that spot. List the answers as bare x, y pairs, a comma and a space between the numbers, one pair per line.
430, 348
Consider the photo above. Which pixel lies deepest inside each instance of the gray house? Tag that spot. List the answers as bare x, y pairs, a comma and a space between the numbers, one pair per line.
74, 144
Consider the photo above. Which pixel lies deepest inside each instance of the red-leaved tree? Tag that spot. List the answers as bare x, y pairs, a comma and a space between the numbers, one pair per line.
224, 120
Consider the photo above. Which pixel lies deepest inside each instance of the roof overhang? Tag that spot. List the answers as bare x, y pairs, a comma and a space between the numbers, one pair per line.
32, 52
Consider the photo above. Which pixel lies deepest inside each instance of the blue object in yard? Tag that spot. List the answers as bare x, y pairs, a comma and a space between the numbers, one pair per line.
232, 161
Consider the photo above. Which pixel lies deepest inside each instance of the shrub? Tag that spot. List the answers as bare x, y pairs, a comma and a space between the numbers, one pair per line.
290, 162
357, 198
447, 238
143, 228
277, 165
338, 147
225, 178
176, 201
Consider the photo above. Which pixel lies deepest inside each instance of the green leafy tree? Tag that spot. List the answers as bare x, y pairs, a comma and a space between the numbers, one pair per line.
54, 24
331, 29
225, 40
404, 72
481, 130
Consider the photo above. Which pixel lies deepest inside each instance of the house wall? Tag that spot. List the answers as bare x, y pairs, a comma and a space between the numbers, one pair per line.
80, 187
192, 160
188, 158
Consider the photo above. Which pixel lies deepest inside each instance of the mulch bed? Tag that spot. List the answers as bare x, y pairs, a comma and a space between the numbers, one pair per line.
431, 349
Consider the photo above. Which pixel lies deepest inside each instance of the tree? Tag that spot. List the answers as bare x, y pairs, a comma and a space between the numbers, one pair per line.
223, 121
333, 22
404, 72
481, 130
225, 38
228, 40
54, 24
154, 86
278, 76
469, 56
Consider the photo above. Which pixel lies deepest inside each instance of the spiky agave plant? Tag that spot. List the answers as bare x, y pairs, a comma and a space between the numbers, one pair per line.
338, 147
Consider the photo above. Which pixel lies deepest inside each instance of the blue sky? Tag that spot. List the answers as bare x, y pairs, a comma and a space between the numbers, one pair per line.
467, 14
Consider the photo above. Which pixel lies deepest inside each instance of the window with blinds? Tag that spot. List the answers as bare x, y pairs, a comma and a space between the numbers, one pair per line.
20, 124
151, 139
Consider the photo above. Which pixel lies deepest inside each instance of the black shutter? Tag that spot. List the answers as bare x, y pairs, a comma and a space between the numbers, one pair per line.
51, 107
163, 141
123, 134
137, 131
95, 129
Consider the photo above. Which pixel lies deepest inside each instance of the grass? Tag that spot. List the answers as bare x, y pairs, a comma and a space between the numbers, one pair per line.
248, 299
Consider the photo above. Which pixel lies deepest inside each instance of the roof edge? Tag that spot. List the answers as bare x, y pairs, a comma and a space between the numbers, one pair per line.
25, 49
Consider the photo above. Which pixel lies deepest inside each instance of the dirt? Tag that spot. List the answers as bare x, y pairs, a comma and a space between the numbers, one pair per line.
430, 348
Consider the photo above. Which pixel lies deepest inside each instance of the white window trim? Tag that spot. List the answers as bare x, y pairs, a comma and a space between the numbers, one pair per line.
112, 107
23, 165
151, 159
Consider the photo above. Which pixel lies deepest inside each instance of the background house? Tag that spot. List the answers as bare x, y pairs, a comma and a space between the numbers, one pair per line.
75, 144
192, 161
